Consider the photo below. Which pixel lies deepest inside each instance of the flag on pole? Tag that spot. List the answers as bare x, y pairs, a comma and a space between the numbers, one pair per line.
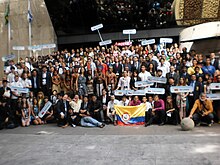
29, 16
7, 12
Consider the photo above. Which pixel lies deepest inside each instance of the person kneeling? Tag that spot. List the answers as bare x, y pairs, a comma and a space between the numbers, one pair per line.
202, 111
157, 114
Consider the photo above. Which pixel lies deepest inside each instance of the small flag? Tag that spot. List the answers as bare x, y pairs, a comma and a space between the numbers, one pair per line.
7, 12
30, 16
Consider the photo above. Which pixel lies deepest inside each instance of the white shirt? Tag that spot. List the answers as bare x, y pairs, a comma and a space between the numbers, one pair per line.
76, 106
144, 75
111, 105
124, 83
165, 69
15, 84
148, 106
26, 83
122, 103
10, 77
8, 69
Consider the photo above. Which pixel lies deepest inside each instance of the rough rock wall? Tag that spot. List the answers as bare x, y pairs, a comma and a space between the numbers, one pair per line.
191, 12
42, 28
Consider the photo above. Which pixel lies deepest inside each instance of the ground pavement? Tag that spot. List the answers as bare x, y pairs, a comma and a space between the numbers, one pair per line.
154, 145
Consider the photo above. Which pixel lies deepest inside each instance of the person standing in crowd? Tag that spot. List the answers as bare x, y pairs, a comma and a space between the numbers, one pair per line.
134, 78
214, 61
45, 81
111, 79
26, 82
173, 74
35, 82
144, 74
67, 82
181, 100
124, 82
81, 84
208, 68
56, 82
202, 110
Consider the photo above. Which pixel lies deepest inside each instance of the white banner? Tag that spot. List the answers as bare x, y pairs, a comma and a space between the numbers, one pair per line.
159, 91
166, 40
45, 109
179, 89
19, 89
36, 47
48, 46
18, 48
129, 31
161, 80
97, 27
147, 42
143, 84
215, 96
215, 86
8, 57
107, 42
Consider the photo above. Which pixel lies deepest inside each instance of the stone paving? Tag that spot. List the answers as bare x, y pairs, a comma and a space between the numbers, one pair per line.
154, 145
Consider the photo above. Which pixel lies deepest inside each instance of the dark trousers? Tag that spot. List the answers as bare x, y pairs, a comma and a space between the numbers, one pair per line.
45, 90
157, 117
62, 122
99, 116
173, 119
197, 118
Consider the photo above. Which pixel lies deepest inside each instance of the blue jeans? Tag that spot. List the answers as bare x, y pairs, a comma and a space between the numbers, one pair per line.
89, 122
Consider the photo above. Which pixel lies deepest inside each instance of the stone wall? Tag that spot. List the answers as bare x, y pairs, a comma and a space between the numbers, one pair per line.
42, 28
191, 12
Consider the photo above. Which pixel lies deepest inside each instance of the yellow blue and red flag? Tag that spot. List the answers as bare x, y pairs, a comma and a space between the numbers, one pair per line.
130, 115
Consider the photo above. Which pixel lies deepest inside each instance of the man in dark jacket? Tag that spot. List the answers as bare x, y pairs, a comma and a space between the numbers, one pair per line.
95, 109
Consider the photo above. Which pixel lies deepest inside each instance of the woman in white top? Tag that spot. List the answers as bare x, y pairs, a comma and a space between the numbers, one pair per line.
124, 82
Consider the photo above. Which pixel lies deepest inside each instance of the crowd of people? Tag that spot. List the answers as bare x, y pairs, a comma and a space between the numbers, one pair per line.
80, 84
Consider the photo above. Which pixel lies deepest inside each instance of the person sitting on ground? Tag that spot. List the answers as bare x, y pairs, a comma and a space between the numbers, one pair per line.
49, 116
202, 110
86, 119
25, 112
135, 101
95, 109
111, 110
62, 110
148, 106
157, 114
171, 112
124, 101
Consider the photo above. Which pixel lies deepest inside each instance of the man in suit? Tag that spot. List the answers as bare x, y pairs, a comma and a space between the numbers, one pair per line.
136, 64
173, 74
35, 82
45, 81
63, 109
117, 68
5, 100
214, 61
184, 74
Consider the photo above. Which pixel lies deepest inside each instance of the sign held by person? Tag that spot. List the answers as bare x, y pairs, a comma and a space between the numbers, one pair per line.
181, 89
44, 109
106, 42
161, 80
8, 57
147, 42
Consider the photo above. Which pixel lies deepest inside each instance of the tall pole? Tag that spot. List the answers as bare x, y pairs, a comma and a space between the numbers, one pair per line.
29, 28
9, 27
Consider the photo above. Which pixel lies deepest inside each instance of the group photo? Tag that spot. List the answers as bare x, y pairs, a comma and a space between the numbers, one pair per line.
105, 82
